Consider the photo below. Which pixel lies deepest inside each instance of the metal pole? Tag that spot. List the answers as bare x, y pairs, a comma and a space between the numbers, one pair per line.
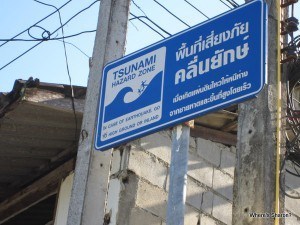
178, 175
89, 192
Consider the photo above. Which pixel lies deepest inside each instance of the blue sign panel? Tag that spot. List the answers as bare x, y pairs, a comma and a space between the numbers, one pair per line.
207, 67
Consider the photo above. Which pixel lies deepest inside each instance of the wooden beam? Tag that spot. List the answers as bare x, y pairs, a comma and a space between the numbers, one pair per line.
214, 135
224, 114
54, 161
232, 125
34, 193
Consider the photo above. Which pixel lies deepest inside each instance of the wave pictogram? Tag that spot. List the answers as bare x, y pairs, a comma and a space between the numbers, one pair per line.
150, 95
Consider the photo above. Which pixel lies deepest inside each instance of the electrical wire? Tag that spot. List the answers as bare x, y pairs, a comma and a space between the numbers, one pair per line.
67, 67
136, 5
45, 34
69, 43
146, 17
196, 9
292, 173
76, 15
135, 17
49, 39
28, 50
281, 181
162, 6
133, 25
139, 8
293, 119
6, 41
233, 3
140, 19
19, 56
225, 4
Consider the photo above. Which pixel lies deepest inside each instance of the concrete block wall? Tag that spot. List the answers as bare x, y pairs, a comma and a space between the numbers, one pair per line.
144, 192
144, 183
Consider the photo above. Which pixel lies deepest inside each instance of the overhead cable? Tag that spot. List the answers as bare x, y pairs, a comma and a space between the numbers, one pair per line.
35, 23
69, 43
135, 17
233, 3
28, 50
146, 17
196, 9
136, 5
225, 4
140, 19
162, 6
34, 39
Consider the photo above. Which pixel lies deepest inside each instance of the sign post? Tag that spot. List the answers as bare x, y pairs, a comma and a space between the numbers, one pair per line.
178, 175
205, 68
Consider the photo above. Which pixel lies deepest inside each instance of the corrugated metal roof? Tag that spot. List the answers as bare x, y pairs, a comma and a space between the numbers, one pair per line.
37, 132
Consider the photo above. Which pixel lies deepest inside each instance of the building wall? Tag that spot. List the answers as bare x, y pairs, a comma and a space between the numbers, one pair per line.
63, 200
142, 174
139, 183
143, 198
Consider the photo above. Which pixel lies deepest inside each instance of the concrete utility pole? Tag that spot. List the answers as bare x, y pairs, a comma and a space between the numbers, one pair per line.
88, 198
255, 174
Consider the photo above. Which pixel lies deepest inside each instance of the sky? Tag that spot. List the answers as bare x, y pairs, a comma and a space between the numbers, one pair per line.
47, 61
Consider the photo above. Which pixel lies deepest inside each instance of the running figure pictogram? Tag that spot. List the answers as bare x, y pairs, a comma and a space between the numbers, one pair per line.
142, 87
